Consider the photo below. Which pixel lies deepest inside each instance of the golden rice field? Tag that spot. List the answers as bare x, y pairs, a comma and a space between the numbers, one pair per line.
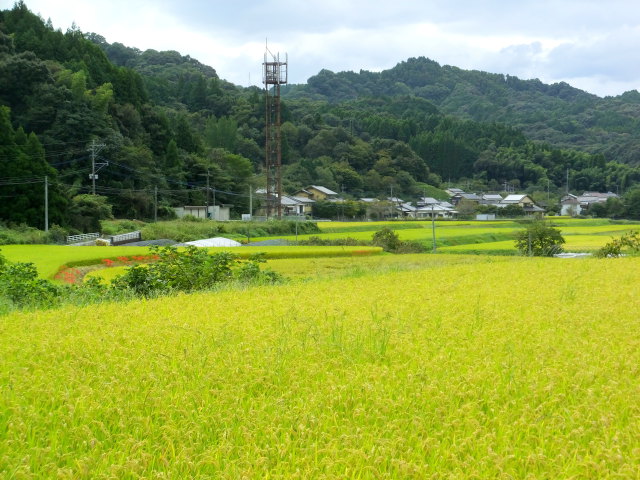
441, 366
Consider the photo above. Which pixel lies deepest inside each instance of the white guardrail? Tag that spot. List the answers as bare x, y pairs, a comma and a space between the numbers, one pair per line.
84, 237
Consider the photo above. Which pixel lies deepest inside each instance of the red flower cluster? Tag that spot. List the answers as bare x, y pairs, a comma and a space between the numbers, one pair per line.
108, 262
68, 275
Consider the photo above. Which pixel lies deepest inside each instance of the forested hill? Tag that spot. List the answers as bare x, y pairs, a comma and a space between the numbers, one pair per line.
160, 124
557, 114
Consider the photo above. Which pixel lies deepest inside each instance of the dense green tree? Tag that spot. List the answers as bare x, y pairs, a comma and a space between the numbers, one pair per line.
539, 239
86, 211
632, 204
222, 133
22, 186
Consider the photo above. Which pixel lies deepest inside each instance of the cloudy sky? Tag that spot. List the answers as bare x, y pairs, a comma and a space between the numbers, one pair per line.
592, 45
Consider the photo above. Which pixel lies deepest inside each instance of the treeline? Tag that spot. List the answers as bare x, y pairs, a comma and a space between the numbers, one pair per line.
162, 125
63, 89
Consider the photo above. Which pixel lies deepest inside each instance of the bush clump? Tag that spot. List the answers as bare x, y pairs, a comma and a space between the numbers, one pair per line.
390, 241
629, 242
20, 287
189, 270
539, 239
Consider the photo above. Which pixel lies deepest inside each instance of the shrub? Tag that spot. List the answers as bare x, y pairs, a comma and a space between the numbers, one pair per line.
615, 247
390, 242
539, 239
387, 239
57, 234
21, 287
189, 270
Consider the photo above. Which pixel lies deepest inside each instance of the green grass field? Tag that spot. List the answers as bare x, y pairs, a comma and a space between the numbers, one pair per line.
488, 237
416, 366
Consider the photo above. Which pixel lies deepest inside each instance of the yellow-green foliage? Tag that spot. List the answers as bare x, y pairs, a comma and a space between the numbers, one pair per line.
515, 368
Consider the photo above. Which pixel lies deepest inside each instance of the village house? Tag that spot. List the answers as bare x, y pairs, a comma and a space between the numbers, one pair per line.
435, 210
490, 199
470, 198
522, 200
453, 191
317, 193
579, 204
426, 207
424, 201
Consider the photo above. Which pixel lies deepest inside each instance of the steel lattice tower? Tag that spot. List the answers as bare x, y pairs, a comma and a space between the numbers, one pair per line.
274, 75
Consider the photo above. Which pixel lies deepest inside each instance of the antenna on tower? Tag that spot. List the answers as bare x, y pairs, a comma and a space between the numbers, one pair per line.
274, 75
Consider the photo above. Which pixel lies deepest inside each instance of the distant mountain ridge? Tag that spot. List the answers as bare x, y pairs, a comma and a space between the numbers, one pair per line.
558, 114
555, 114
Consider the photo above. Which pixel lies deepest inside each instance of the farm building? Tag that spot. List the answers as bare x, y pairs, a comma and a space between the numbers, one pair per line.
215, 212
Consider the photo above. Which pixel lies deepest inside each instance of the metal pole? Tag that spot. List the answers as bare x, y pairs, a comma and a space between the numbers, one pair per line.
207, 215
93, 166
433, 229
93, 175
46, 203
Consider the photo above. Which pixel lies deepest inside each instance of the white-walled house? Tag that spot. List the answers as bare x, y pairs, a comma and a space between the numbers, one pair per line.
579, 204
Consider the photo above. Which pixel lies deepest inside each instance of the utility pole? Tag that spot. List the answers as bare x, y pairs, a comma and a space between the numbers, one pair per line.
548, 192
207, 215
208, 174
567, 181
94, 149
250, 202
155, 204
46, 203
433, 228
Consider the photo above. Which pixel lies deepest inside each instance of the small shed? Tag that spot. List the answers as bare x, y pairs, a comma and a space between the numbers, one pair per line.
215, 212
